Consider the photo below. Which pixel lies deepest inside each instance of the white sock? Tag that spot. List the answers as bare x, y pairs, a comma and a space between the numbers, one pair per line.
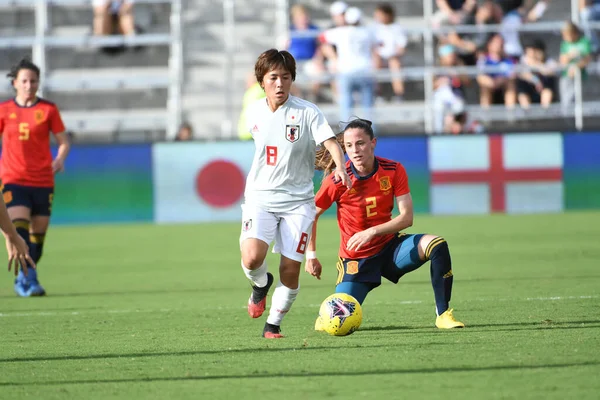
258, 276
281, 302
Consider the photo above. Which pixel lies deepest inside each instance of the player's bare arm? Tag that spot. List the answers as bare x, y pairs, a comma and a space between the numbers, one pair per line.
397, 224
17, 249
58, 165
313, 265
337, 154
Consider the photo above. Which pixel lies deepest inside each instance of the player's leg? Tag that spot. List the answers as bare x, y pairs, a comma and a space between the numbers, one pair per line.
40, 220
412, 251
284, 295
358, 290
18, 204
435, 249
291, 241
258, 231
37, 233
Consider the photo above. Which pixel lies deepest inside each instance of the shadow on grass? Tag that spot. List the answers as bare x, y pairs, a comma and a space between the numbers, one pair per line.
200, 352
517, 326
134, 292
302, 374
509, 279
142, 292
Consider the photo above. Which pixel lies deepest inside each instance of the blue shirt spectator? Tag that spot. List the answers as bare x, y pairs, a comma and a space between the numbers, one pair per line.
303, 42
304, 46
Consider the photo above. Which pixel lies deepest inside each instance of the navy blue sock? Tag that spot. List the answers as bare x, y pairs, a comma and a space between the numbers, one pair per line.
36, 246
358, 290
22, 227
441, 273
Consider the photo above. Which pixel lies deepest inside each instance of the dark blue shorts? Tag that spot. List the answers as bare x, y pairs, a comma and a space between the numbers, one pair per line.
398, 257
37, 199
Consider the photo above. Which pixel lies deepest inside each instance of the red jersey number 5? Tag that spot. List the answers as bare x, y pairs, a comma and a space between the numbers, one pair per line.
271, 155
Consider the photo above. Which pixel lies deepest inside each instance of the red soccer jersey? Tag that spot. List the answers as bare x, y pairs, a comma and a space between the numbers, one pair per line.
26, 157
369, 202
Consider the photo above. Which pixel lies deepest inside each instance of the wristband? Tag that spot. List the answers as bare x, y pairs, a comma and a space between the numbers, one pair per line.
311, 255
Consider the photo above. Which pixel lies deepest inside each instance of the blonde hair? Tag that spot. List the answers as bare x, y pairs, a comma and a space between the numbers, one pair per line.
298, 9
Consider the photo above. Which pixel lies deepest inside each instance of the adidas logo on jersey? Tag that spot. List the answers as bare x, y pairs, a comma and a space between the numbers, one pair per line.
12, 116
255, 129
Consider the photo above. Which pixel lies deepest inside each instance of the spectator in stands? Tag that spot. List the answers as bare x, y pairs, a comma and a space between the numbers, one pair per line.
392, 40
113, 17
454, 12
449, 95
337, 10
509, 28
529, 10
353, 62
575, 55
303, 44
511, 14
185, 133
467, 45
499, 84
589, 11
538, 84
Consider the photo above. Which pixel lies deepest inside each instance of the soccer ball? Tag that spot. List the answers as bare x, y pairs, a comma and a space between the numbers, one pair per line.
340, 315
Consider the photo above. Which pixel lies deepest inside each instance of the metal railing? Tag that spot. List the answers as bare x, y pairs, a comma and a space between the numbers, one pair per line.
427, 73
42, 41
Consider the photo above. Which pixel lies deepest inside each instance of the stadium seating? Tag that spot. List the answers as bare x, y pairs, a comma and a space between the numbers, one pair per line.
140, 94
100, 95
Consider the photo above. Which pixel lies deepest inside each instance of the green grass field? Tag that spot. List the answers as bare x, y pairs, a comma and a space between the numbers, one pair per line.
159, 312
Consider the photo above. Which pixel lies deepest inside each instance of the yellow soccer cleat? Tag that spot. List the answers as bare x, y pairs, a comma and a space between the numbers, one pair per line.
447, 321
319, 324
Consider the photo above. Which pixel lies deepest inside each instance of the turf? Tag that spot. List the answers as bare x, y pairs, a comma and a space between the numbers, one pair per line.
145, 311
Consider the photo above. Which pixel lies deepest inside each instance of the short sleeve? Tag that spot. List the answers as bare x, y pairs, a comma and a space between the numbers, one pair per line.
587, 47
401, 39
563, 47
328, 193
331, 36
1, 121
400, 181
320, 129
56, 123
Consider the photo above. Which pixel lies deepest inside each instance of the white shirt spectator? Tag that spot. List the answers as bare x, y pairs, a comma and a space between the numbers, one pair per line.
389, 37
354, 46
510, 32
281, 176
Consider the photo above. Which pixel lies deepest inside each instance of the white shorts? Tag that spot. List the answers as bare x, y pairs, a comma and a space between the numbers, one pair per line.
291, 229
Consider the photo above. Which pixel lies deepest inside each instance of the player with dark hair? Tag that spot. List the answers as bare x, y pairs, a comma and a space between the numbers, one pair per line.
26, 123
372, 242
279, 200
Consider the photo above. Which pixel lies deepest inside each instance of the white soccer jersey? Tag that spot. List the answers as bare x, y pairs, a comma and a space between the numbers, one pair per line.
281, 177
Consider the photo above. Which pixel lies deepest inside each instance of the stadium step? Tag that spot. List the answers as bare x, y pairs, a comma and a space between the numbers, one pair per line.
102, 121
